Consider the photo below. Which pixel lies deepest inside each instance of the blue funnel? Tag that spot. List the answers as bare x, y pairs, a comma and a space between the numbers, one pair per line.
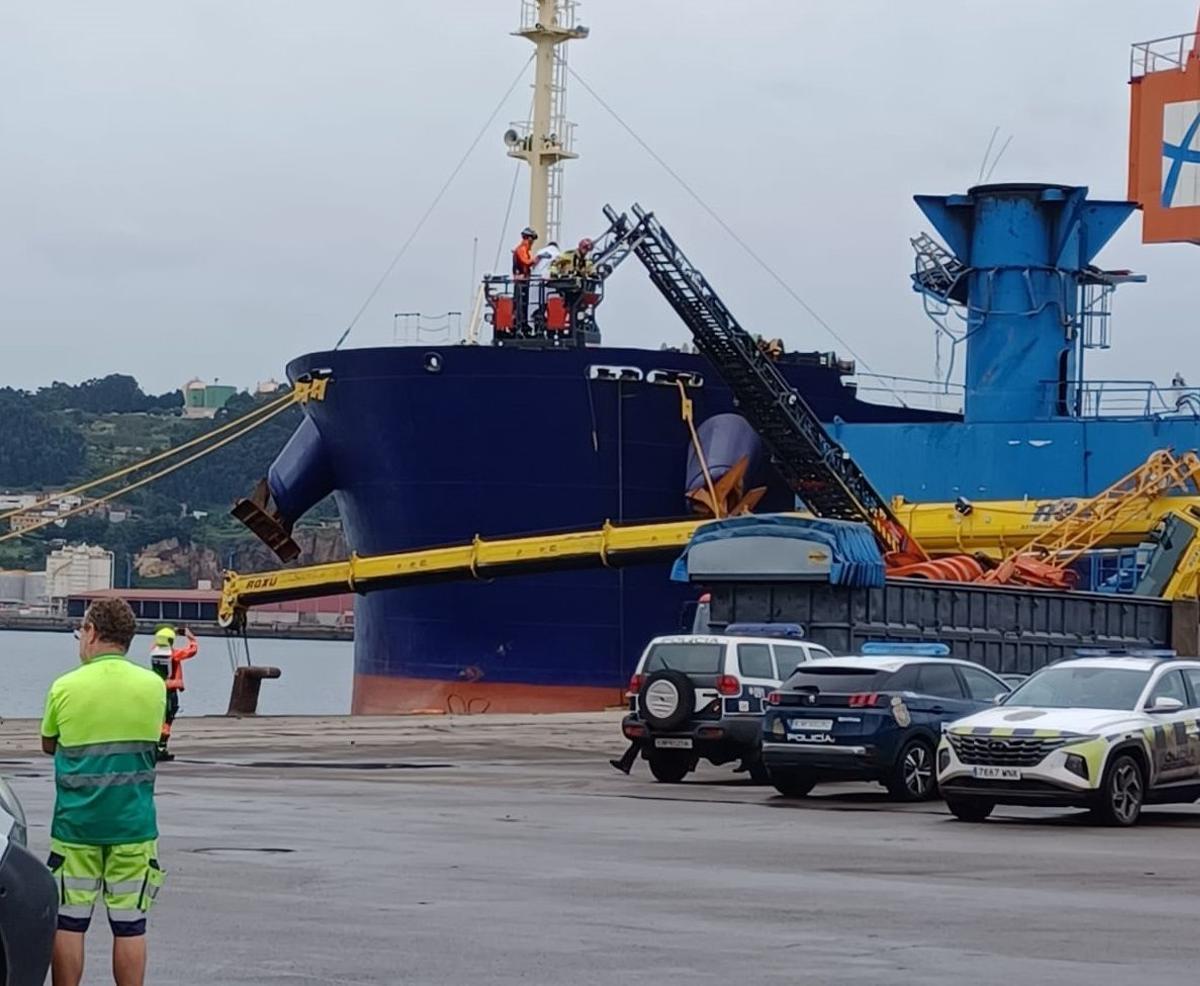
1026, 247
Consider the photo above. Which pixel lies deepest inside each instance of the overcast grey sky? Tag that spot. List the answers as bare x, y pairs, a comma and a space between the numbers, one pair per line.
209, 187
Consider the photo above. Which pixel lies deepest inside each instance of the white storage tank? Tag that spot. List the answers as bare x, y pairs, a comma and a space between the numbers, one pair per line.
78, 568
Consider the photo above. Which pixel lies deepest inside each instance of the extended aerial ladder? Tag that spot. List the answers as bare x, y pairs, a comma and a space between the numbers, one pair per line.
816, 467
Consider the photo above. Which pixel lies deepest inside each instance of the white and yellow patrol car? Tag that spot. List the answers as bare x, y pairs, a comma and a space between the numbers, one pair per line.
1107, 733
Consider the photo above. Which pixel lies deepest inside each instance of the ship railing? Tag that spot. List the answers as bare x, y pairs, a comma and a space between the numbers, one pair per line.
418, 329
1161, 54
1120, 399
558, 309
561, 136
565, 16
919, 392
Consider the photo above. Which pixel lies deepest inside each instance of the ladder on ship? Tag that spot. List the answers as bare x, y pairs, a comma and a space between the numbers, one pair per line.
815, 466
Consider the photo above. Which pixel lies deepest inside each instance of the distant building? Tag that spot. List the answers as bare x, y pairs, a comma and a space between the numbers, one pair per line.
17, 501
51, 506
25, 522
268, 387
204, 400
35, 589
78, 568
12, 588
21, 590
199, 606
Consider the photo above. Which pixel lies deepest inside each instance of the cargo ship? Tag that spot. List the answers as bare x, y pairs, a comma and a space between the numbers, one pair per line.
541, 427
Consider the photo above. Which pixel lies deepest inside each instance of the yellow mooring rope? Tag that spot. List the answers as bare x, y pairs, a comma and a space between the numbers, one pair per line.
244, 425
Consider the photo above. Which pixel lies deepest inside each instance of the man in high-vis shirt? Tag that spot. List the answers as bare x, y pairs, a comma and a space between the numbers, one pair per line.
102, 725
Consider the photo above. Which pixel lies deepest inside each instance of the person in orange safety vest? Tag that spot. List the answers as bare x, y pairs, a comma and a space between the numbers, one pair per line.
522, 266
167, 662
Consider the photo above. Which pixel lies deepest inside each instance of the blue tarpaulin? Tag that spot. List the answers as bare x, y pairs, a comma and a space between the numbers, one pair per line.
857, 560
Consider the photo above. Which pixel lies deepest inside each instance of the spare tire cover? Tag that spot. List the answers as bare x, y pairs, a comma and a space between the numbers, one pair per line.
667, 699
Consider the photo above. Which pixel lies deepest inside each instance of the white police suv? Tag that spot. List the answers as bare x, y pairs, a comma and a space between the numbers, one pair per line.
697, 696
1107, 731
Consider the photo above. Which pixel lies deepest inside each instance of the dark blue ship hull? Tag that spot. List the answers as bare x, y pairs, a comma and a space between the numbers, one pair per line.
433, 446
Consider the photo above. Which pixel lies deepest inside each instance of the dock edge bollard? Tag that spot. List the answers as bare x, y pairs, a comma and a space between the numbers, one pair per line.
247, 682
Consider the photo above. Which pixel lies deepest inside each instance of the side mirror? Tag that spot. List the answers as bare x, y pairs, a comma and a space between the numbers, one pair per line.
1001, 698
1165, 703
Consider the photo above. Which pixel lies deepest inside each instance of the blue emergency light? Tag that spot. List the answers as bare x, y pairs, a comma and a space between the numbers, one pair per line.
791, 630
885, 648
1153, 652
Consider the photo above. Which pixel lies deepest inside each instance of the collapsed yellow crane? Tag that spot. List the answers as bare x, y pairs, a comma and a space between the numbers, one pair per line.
997, 528
1045, 560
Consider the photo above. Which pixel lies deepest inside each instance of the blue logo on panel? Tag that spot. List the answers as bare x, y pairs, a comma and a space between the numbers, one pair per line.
1181, 123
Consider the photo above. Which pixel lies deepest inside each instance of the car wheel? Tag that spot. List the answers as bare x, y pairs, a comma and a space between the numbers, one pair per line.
1122, 793
792, 783
672, 767
970, 809
912, 778
758, 772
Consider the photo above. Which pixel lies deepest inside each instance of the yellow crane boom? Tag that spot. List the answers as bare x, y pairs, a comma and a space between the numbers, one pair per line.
607, 545
1000, 527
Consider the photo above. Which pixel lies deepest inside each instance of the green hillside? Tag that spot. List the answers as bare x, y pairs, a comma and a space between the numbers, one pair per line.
63, 435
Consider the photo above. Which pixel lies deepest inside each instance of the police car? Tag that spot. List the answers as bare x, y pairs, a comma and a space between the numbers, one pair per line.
1106, 731
28, 900
877, 717
702, 695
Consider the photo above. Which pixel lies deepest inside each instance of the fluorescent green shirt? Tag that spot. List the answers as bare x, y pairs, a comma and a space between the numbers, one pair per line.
107, 715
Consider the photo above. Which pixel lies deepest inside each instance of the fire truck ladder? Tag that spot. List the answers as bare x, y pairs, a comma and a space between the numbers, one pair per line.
819, 470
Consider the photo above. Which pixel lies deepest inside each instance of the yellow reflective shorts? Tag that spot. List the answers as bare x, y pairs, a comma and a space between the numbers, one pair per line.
128, 875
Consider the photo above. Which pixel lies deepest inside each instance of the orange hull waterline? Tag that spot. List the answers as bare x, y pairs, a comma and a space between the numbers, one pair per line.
385, 695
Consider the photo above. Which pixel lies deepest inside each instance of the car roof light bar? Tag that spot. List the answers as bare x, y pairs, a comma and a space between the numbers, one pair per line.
886, 648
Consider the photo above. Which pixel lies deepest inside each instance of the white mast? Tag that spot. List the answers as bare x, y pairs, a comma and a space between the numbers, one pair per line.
544, 142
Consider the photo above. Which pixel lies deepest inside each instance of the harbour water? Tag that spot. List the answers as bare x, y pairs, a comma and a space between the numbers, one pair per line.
317, 674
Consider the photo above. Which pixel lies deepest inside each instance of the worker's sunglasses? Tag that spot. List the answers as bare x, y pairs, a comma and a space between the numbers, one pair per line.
78, 631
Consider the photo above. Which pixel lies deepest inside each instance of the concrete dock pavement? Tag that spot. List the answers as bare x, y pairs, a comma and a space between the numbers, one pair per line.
506, 850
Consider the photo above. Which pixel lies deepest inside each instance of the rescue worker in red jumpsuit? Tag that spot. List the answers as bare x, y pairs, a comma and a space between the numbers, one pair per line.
167, 662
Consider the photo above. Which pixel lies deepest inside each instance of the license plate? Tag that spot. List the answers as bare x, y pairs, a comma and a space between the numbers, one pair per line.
673, 744
996, 773
817, 725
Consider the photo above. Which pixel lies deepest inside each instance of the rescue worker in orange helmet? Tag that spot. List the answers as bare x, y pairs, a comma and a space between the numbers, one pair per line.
167, 662
522, 266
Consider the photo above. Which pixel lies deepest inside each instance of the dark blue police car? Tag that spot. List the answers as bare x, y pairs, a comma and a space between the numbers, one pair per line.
873, 717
